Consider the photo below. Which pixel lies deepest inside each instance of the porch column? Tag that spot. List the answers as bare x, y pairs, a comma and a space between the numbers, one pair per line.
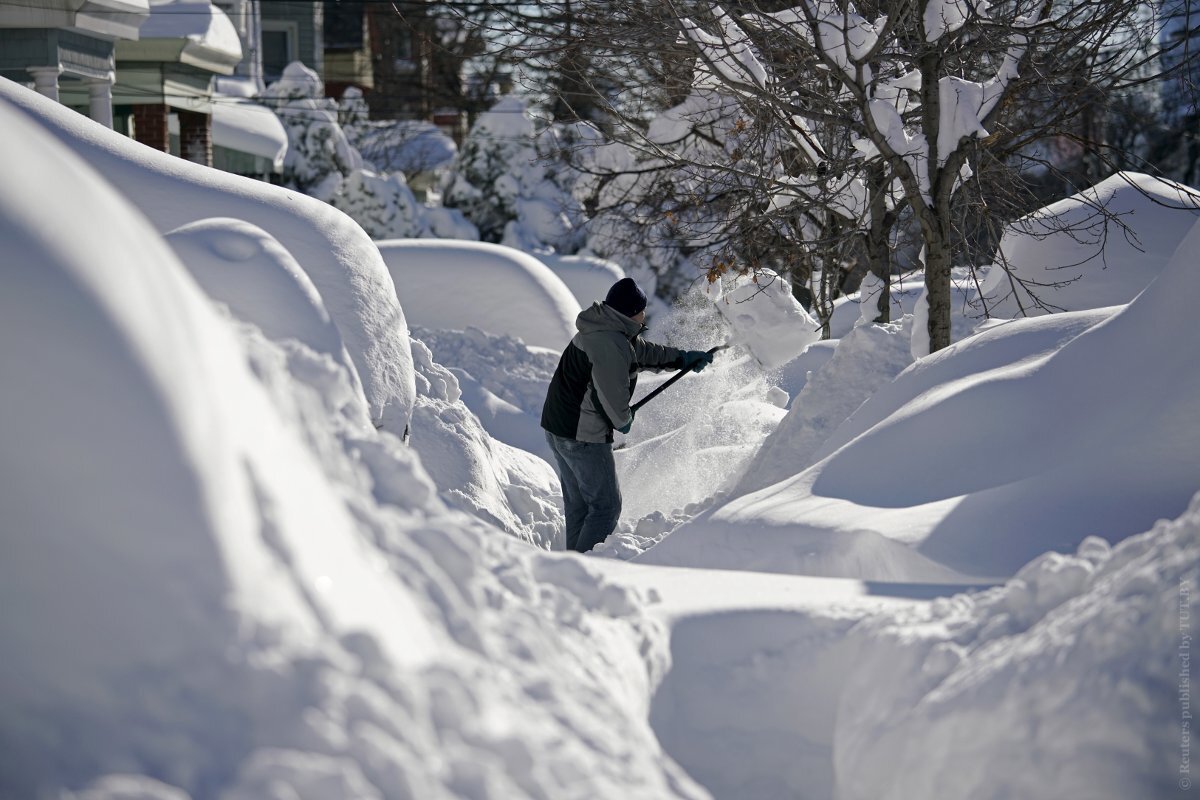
45, 80
100, 100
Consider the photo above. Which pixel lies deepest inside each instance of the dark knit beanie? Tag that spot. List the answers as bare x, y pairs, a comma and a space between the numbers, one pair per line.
627, 297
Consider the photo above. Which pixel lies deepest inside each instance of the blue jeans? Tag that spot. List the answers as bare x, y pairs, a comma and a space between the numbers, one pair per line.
591, 495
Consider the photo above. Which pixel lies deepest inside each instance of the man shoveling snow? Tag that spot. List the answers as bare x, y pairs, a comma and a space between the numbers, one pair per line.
589, 397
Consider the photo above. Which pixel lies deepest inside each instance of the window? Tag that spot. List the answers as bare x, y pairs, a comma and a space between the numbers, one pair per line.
279, 47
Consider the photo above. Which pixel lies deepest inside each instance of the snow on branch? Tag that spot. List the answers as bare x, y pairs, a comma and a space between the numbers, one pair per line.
964, 104
730, 54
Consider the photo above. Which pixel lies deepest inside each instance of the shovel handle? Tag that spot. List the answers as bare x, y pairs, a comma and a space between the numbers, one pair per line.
673, 378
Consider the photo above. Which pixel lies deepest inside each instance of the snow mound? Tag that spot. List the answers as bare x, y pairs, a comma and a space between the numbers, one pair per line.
451, 285
502, 381
1068, 678
172, 434
505, 366
338, 256
508, 487
864, 360
248, 270
1065, 257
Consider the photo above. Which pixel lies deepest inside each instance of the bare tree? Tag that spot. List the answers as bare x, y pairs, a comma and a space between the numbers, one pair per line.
801, 137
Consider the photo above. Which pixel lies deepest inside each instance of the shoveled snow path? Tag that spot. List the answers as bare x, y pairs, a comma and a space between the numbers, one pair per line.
759, 662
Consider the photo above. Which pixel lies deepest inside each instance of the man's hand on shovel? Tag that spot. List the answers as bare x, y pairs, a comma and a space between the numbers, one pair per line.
696, 360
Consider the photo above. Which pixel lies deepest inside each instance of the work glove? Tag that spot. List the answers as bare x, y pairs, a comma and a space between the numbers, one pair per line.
625, 428
696, 360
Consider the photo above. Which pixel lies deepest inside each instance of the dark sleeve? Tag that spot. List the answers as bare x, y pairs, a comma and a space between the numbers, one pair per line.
648, 355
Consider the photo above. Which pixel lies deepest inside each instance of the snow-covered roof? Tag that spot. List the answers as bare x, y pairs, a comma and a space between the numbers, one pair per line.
209, 39
109, 19
248, 127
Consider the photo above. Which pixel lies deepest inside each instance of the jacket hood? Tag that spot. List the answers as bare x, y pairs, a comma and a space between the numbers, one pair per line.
603, 317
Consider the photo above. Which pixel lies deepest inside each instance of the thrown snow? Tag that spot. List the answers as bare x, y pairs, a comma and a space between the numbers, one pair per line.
1094, 249
764, 316
453, 285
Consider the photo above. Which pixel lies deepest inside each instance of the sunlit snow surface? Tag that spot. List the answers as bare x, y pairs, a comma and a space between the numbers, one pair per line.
221, 581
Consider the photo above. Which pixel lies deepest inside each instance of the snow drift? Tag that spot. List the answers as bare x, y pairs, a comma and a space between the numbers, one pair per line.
1068, 681
338, 256
157, 512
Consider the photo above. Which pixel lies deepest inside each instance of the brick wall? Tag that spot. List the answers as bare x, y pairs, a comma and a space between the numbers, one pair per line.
195, 137
150, 126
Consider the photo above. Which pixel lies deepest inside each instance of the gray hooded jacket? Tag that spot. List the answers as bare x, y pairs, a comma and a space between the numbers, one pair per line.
592, 387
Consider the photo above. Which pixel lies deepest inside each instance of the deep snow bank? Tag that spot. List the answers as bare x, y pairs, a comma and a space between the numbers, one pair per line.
221, 589
338, 256
513, 489
1068, 681
156, 511
502, 381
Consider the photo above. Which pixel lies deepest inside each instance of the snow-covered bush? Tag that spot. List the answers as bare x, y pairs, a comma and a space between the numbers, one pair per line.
382, 204
510, 181
318, 149
323, 162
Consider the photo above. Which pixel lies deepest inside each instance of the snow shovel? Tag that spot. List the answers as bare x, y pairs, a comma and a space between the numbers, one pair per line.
673, 378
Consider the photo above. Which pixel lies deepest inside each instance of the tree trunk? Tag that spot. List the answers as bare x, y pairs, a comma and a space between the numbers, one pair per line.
879, 255
937, 284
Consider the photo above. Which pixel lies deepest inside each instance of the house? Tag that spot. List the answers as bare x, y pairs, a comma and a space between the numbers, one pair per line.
153, 72
292, 30
66, 49
394, 53
166, 76
248, 139
347, 47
